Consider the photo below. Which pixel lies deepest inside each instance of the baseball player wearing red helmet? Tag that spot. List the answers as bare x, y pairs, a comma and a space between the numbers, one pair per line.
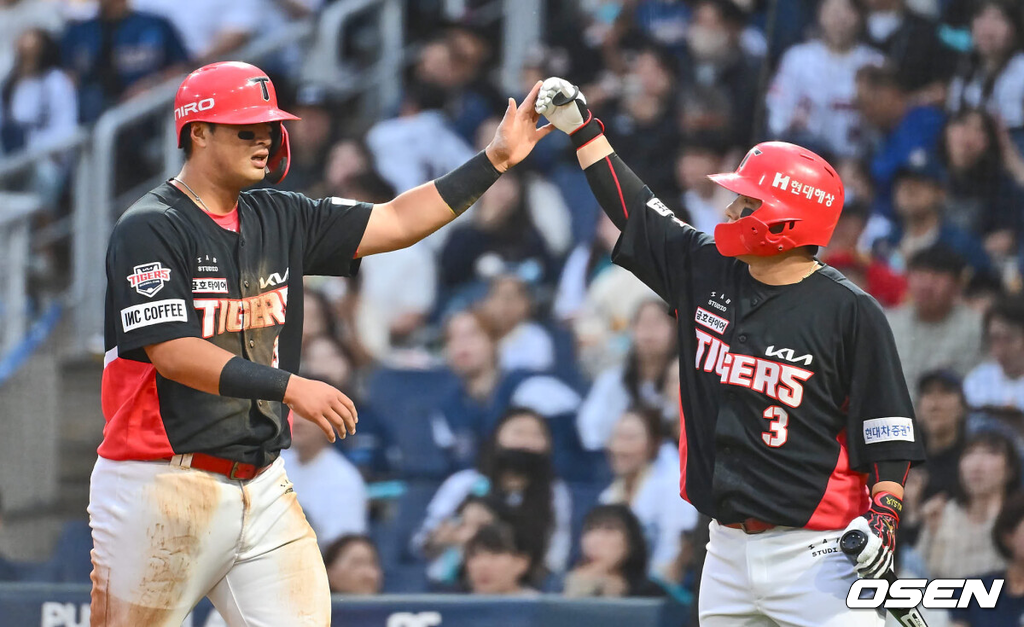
796, 421
189, 497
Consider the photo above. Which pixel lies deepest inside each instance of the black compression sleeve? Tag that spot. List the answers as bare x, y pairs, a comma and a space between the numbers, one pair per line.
888, 471
461, 187
616, 187
242, 378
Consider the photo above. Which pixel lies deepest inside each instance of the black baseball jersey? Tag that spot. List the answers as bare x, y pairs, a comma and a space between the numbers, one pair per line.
173, 272
788, 393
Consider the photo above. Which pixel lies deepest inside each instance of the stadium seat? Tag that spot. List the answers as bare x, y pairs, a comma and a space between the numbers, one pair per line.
71, 561
402, 400
584, 498
403, 571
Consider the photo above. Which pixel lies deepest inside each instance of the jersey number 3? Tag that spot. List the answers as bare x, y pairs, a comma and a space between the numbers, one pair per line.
779, 422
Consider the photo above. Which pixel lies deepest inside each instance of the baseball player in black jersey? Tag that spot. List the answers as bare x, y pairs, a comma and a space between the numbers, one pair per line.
796, 421
203, 325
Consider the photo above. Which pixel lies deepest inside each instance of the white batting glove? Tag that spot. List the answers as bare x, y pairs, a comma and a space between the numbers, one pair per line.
562, 104
876, 558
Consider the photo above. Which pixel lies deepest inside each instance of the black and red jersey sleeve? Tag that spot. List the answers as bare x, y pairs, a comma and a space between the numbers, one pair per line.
333, 228
657, 247
149, 295
881, 424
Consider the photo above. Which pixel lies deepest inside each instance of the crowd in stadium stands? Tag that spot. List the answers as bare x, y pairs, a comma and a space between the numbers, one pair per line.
518, 392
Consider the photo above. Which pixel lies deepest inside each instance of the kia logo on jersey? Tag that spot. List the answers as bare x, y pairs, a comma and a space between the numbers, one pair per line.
149, 278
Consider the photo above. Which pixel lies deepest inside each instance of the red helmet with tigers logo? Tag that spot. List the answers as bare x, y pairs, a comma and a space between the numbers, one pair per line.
231, 92
801, 199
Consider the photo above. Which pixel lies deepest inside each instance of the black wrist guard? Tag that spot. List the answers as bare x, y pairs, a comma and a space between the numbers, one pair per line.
461, 187
241, 378
592, 129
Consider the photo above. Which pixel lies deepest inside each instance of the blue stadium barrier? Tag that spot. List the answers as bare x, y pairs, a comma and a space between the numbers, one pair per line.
47, 605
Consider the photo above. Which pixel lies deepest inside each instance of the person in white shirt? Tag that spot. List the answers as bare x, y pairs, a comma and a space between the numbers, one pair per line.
524, 344
649, 488
208, 28
703, 199
999, 382
419, 144
994, 77
638, 382
812, 95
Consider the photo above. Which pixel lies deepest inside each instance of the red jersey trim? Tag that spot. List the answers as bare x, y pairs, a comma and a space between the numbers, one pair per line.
682, 451
134, 428
846, 495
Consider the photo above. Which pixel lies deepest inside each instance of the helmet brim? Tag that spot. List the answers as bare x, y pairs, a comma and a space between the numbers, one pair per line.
738, 184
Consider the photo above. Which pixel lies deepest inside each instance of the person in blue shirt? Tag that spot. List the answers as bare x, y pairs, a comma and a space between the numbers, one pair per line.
1008, 535
919, 194
114, 53
906, 129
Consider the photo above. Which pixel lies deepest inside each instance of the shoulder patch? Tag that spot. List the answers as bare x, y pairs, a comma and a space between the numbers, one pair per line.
149, 278
888, 430
147, 314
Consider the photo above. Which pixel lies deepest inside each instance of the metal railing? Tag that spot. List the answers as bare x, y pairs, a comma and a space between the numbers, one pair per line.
15, 223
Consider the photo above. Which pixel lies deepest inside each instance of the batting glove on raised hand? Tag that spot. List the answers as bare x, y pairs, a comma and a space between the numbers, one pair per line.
565, 107
879, 524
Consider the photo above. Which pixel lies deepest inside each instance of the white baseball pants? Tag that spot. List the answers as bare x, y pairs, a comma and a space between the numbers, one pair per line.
166, 536
784, 577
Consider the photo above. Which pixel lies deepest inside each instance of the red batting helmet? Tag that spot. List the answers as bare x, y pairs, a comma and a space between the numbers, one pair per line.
801, 198
231, 92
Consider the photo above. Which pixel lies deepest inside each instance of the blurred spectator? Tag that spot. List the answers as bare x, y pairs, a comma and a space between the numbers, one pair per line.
447, 544
547, 207
18, 16
999, 382
119, 53
648, 488
919, 196
806, 108
346, 161
942, 414
614, 557
417, 146
913, 46
869, 272
329, 488
353, 566
1008, 535
705, 110
982, 197
957, 537
209, 29
310, 141
907, 129
636, 383
524, 344
38, 108
318, 318
515, 470
935, 329
704, 201
992, 77
497, 562
585, 263
498, 233
716, 58
643, 127
679, 577
982, 291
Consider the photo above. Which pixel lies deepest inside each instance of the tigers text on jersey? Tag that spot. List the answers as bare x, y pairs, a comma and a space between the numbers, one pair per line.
788, 393
173, 272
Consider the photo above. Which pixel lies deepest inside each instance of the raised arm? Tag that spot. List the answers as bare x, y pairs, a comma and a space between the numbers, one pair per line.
420, 211
618, 190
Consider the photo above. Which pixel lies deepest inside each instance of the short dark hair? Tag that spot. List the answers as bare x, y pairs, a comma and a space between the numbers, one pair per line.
186, 137
336, 548
498, 537
1008, 309
938, 258
946, 380
880, 76
1009, 519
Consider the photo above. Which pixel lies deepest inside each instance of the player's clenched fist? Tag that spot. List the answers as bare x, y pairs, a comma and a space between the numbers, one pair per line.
563, 105
322, 404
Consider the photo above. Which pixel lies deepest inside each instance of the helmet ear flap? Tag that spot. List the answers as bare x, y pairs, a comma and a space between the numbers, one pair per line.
280, 154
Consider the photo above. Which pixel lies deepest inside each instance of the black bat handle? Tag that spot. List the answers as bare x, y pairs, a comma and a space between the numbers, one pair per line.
853, 542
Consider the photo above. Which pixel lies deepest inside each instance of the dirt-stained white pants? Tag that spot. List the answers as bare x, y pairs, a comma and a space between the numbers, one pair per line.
166, 536
783, 577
